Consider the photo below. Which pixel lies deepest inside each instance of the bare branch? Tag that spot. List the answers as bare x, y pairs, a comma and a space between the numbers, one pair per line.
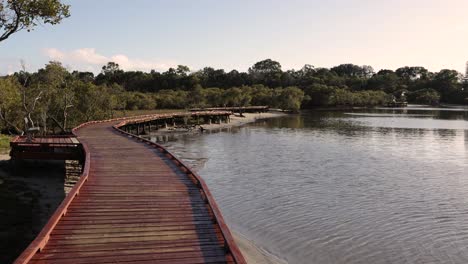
4, 118
36, 100
15, 28
57, 123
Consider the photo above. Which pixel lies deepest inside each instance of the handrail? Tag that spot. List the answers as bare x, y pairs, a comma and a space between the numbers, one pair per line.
43, 237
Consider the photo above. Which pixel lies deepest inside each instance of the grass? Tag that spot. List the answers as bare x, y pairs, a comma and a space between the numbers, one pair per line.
145, 112
4, 143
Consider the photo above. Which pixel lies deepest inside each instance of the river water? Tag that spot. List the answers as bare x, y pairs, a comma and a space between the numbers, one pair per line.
361, 186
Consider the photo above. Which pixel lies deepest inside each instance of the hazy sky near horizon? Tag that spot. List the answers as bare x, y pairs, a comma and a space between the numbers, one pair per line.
158, 34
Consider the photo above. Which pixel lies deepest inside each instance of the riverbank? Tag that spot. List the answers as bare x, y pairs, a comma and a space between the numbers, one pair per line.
253, 254
235, 121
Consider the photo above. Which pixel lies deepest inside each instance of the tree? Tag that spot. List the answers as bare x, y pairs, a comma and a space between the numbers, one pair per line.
412, 73
290, 98
16, 15
111, 68
10, 100
110, 73
384, 80
351, 70
425, 96
57, 95
266, 72
182, 70
236, 97
83, 76
447, 83
87, 100
196, 97
266, 66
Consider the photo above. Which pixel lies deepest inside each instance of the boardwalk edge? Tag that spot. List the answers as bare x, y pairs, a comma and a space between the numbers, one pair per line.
43, 237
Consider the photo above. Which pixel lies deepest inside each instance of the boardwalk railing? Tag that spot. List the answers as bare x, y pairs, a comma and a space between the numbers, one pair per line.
230, 244
64, 147
41, 240
43, 237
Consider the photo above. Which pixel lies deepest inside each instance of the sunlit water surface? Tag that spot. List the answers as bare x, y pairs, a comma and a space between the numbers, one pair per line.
380, 186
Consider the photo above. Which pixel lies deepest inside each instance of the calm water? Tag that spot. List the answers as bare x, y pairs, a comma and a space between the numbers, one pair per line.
380, 186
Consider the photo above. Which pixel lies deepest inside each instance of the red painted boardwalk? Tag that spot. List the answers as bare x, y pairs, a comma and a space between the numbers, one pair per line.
138, 204
50, 147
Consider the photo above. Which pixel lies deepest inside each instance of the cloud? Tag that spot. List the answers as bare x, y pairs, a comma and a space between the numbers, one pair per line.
9, 66
88, 59
55, 54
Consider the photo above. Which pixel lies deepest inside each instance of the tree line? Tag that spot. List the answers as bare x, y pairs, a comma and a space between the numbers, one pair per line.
56, 99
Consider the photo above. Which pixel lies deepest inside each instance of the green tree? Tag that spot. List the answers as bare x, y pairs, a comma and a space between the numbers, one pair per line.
111, 68
17, 15
266, 66
425, 96
182, 70
267, 72
236, 97
384, 80
89, 103
213, 96
196, 97
54, 82
290, 98
10, 105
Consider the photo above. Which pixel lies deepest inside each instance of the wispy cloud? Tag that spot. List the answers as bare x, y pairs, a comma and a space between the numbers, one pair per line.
9, 66
88, 59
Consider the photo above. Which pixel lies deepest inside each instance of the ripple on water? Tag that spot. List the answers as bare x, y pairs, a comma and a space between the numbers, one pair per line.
334, 188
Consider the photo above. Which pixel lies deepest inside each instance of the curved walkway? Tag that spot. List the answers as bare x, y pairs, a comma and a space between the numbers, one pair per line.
139, 204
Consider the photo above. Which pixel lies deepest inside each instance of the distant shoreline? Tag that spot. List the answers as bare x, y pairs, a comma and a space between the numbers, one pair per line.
235, 121
248, 118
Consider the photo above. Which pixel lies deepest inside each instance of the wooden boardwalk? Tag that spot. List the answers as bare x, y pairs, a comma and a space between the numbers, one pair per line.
135, 203
51, 147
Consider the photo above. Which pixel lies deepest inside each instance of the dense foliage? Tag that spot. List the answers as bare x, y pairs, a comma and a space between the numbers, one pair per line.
322, 86
55, 99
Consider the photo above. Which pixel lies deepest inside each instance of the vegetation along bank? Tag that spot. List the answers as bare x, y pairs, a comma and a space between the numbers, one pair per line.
55, 99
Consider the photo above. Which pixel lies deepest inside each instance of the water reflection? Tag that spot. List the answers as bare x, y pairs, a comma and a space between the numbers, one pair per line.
330, 187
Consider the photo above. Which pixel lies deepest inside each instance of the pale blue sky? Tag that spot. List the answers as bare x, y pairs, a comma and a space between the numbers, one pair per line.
147, 34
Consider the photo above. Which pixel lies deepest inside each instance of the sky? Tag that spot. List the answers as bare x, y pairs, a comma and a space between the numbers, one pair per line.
158, 34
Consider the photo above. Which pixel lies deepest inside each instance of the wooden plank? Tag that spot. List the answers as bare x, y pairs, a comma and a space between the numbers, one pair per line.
126, 245
137, 204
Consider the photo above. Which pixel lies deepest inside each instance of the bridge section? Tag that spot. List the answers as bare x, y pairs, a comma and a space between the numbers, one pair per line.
135, 203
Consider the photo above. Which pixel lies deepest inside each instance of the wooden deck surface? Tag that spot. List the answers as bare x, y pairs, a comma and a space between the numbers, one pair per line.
137, 206
46, 140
